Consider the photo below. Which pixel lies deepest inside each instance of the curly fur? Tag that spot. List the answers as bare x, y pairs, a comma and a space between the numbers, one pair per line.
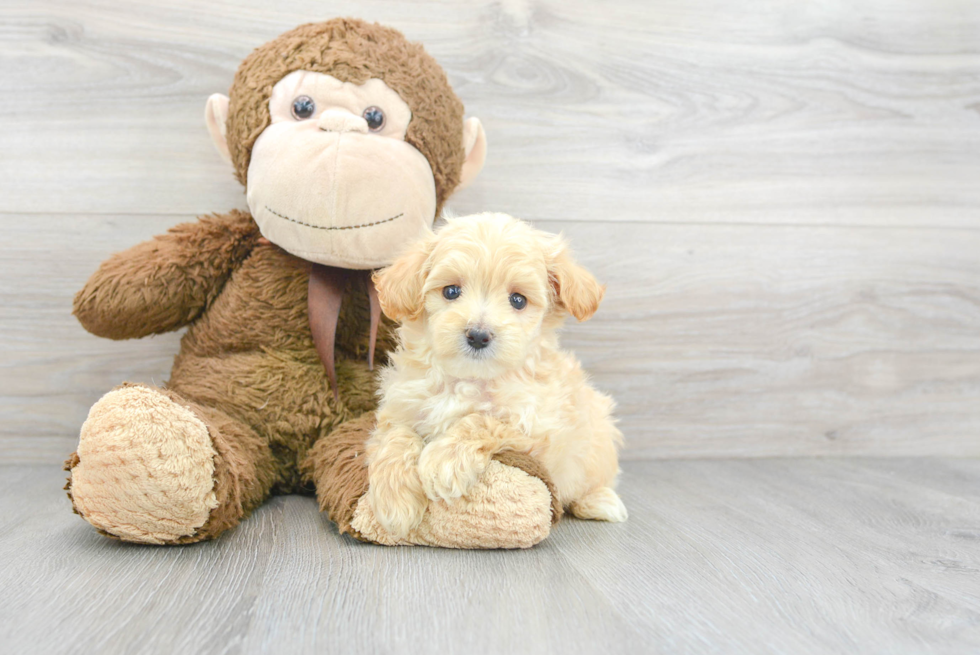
447, 409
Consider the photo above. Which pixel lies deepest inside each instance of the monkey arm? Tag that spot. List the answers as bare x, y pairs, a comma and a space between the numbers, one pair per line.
167, 282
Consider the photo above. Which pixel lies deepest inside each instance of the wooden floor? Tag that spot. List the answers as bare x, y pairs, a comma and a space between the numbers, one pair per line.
739, 556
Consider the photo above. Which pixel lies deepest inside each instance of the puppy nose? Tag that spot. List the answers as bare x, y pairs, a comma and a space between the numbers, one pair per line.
478, 338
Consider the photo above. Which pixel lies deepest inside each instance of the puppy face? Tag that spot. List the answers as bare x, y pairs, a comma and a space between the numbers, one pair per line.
484, 290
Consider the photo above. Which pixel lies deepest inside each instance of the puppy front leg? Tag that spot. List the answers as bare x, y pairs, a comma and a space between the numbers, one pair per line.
395, 491
452, 463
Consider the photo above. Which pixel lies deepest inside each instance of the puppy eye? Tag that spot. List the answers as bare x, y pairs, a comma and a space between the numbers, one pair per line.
303, 107
517, 301
375, 118
451, 292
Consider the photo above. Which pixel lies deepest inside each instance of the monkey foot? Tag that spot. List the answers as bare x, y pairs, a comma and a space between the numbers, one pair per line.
507, 508
144, 470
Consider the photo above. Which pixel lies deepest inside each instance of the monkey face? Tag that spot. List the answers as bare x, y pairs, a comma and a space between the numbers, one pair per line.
332, 179
348, 138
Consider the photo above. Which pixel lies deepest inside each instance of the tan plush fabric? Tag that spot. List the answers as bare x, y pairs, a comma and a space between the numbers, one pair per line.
146, 467
507, 509
533, 467
330, 190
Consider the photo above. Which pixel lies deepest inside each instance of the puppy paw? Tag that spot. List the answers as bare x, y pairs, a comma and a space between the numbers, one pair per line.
394, 489
449, 468
398, 508
603, 504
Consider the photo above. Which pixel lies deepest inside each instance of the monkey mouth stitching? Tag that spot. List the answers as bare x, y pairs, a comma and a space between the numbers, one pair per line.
325, 227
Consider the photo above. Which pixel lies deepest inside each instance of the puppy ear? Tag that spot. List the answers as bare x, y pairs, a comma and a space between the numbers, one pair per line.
400, 285
574, 287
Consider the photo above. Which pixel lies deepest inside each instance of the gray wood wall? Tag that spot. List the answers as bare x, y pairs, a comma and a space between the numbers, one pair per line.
783, 197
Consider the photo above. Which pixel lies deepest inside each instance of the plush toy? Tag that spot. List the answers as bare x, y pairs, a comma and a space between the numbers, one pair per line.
348, 140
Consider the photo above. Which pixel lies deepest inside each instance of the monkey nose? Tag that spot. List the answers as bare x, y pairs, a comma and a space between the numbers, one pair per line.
336, 120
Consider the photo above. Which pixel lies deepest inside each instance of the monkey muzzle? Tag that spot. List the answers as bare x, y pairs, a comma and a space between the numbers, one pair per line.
342, 199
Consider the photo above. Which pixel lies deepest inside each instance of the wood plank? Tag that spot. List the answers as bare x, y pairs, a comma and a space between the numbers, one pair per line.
755, 112
738, 556
715, 340
793, 556
52, 370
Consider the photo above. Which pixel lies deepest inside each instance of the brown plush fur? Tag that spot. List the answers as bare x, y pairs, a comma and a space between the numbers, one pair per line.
183, 272
336, 466
353, 51
247, 365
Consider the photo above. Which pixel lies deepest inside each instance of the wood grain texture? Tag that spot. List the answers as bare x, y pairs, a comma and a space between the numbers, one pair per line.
783, 199
829, 344
761, 111
737, 556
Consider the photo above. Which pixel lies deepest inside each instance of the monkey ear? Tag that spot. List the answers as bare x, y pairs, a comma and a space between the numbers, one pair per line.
475, 147
216, 115
575, 288
400, 285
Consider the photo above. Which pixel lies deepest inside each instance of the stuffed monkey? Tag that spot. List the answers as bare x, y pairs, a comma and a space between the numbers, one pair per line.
348, 140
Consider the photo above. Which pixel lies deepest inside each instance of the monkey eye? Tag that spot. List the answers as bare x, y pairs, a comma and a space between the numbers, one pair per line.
375, 118
451, 292
517, 301
303, 107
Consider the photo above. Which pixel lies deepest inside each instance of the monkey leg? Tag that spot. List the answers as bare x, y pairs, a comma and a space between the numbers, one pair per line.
513, 505
154, 468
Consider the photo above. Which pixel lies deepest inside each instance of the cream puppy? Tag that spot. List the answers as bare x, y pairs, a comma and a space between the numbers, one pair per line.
479, 370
